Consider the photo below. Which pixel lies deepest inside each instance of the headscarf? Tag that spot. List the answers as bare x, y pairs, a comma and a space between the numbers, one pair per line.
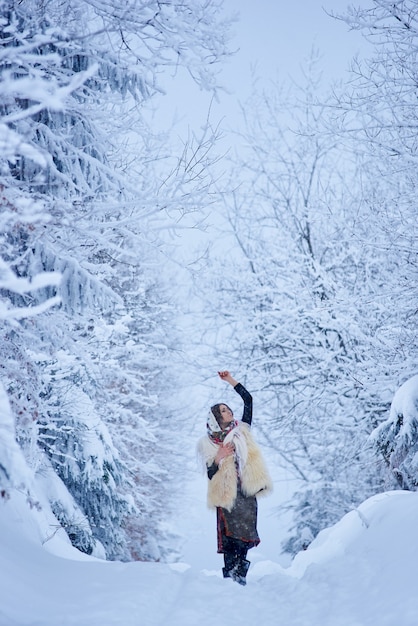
215, 432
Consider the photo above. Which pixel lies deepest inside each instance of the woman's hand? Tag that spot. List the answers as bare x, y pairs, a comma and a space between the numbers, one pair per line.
225, 450
226, 376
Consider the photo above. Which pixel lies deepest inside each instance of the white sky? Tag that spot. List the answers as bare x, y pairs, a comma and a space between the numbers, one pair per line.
273, 38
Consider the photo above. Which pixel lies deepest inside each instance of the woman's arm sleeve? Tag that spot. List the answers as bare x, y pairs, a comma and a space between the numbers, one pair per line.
247, 415
212, 470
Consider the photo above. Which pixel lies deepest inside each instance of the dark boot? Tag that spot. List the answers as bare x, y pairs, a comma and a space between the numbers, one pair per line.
239, 572
231, 562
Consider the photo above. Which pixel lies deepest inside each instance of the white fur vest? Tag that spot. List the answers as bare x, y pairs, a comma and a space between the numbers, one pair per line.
255, 479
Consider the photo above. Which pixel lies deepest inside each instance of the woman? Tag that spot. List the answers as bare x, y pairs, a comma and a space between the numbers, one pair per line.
237, 475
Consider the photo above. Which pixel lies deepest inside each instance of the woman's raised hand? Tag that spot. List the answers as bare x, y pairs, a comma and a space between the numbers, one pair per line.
226, 376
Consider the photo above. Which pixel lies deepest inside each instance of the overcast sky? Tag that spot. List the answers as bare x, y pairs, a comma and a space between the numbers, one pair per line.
272, 39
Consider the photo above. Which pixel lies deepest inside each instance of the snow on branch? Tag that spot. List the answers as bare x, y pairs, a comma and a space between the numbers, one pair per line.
10, 282
13, 145
27, 311
397, 438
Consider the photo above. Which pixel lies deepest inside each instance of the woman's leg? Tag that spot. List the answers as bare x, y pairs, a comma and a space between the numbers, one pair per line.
242, 565
230, 556
235, 558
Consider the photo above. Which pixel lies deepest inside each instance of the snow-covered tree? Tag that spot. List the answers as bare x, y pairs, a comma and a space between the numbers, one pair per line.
380, 114
396, 439
299, 303
324, 215
82, 197
378, 118
14, 473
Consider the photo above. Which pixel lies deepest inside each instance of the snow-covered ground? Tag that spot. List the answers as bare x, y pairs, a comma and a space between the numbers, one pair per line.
362, 571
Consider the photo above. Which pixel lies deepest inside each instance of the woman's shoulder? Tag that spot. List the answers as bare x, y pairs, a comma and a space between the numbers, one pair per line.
205, 443
206, 449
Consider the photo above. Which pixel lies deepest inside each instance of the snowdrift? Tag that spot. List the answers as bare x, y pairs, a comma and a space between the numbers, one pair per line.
360, 572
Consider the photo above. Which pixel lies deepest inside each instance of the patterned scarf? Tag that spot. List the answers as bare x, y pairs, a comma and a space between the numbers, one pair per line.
213, 429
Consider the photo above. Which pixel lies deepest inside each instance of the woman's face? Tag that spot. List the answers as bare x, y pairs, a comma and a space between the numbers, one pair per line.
226, 414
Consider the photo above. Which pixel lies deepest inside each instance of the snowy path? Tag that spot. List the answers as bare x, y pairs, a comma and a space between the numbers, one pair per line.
361, 572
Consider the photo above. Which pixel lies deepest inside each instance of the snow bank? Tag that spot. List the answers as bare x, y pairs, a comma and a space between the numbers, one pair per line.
361, 572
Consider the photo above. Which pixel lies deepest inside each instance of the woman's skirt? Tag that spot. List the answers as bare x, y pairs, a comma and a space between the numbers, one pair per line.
239, 523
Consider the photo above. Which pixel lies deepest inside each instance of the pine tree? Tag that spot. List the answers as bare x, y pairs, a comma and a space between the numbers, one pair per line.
74, 76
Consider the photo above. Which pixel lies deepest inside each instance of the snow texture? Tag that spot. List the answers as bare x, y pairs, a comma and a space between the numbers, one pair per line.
405, 402
360, 572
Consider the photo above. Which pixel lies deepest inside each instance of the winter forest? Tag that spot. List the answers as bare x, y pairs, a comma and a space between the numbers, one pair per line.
135, 263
